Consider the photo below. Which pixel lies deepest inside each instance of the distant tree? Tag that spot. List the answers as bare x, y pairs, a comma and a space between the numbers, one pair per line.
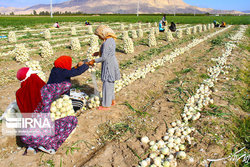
47, 13
41, 13
34, 12
78, 12
12, 13
207, 14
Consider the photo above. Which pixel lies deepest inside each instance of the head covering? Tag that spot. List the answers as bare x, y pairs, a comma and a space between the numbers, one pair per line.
29, 95
64, 62
21, 74
104, 32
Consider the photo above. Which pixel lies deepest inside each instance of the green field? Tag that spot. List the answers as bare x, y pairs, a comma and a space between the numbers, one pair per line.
21, 21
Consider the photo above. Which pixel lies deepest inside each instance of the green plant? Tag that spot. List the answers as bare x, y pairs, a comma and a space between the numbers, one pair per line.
134, 152
216, 111
50, 163
125, 64
240, 92
27, 36
241, 129
217, 41
173, 81
72, 148
138, 112
187, 70
98, 73
204, 76
109, 132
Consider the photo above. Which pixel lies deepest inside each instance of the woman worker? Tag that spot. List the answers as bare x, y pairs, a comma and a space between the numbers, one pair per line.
161, 29
62, 71
110, 68
172, 27
164, 20
35, 96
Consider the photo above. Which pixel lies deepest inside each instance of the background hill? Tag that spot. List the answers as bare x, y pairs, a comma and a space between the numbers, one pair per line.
119, 6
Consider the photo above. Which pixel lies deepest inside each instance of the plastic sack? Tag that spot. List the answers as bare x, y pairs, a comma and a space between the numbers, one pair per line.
11, 109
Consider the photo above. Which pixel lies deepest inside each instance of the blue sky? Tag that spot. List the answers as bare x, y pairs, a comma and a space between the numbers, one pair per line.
216, 4
221, 4
26, 3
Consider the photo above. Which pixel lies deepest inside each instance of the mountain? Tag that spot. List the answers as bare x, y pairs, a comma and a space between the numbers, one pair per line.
246, 11
119, 6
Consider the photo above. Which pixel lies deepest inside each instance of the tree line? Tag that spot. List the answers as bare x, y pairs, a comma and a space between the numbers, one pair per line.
69, 13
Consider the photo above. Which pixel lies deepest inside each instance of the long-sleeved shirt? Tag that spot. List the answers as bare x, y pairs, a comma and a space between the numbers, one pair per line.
163, 18
160, 26
110, 68
58, 75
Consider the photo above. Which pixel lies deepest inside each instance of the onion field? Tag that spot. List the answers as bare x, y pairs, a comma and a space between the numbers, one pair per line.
182, 100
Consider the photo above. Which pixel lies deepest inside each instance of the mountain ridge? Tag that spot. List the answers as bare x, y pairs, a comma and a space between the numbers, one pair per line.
119, 6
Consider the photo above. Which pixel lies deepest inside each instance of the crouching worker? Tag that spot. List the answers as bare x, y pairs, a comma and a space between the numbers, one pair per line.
164, 21
161, 29
172, 27
223, 24
110, 69
62, 71
216, 23
56, 25
35, 96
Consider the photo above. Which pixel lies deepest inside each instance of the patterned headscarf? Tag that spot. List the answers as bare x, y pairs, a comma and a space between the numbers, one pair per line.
104, 32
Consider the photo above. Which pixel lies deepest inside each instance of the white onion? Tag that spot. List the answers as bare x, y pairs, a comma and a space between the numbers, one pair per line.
165, 151
47, 34
157, 161
145, 140
12, 37
151, 38
75, 44
90, 29
182, 147
128, 45
73, 31
166, 164
21, 53
46, 49
181, 155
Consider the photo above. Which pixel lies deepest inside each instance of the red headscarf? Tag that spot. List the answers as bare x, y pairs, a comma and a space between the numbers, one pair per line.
29, 95
64, 62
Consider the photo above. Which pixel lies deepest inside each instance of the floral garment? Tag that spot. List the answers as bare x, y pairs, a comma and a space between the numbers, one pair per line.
63, 126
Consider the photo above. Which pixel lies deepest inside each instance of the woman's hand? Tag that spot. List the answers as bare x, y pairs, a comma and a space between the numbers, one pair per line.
95, 54
80, 63
91, 63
